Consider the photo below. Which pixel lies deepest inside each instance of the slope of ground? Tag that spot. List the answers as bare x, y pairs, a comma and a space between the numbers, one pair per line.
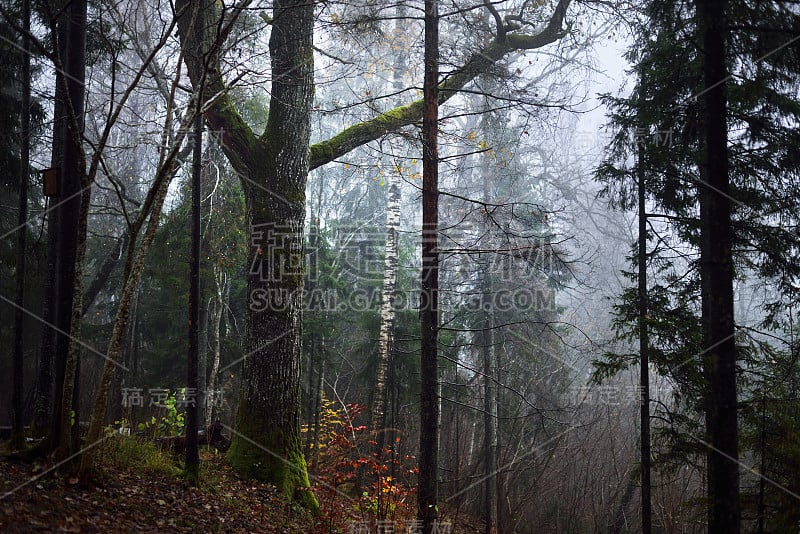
141, 491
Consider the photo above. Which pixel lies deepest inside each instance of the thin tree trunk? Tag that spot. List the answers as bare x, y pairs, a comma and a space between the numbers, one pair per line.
131, 285
202, 356
223, 290
388, 313
18, 435
427, 493
206, 310
490, 390
644, 366
489, 414
716, 276
500, 491
762, 483
192, 453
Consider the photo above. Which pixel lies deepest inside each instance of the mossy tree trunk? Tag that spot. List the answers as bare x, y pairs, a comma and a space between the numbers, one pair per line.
273, 170
267, 442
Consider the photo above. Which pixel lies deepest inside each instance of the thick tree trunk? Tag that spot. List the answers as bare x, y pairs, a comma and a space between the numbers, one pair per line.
267, 442
43, 410
43, 403
427, 492
70, 435
274, 169
69, 226
716, 274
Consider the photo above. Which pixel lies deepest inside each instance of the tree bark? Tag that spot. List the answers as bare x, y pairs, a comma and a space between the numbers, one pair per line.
716, 277
427, 492
43, 410
223, 292
17, 394
644, 362
71, 198
267, 442
274, 170
192, 456
387, 313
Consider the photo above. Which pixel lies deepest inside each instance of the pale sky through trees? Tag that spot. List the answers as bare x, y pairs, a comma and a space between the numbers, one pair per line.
324, 377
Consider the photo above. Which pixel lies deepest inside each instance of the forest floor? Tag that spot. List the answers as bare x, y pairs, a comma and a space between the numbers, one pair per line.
140, 489
135, 497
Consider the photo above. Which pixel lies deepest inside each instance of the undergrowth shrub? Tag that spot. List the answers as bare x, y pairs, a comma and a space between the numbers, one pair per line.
353, 484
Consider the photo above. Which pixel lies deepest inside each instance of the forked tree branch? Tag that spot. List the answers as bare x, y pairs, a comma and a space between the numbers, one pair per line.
390, 121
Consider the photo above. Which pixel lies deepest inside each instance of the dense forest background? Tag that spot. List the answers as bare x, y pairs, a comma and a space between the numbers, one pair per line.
613, 253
